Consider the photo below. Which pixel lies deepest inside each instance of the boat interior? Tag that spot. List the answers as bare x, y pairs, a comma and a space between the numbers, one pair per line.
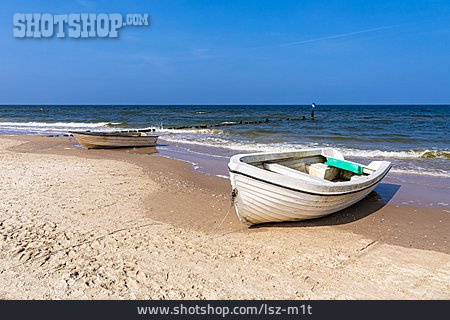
317, 167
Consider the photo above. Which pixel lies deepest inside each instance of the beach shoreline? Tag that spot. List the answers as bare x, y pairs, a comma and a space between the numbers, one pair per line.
383, 238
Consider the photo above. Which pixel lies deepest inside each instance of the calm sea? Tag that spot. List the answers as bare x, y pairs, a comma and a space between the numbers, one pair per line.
416, 138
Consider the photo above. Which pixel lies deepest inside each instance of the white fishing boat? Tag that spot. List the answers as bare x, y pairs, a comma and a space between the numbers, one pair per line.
292, 186
95, 140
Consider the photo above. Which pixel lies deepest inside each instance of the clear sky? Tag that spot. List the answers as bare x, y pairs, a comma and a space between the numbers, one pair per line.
235, 52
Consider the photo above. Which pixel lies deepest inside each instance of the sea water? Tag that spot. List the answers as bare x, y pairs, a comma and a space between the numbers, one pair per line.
414, 137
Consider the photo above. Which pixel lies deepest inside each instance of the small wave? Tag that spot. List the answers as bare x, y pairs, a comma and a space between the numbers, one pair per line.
191, 131
273, 147
431, 173
57, 124
194, 165
254, 133
372, 139
435, 154
400, 154
63, 127
405, 157
116, 124
238, 146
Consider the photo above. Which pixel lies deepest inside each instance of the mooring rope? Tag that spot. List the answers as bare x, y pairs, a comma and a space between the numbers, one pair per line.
233, 201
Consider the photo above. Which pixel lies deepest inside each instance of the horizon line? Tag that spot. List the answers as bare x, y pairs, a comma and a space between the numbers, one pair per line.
222, 104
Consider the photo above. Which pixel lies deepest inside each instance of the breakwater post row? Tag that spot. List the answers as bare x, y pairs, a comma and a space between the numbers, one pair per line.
222, 124
234, 123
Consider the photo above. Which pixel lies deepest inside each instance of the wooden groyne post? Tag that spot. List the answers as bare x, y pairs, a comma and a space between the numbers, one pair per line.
234, 123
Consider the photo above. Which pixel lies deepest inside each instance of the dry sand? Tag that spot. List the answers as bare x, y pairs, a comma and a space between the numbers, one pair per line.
79, 224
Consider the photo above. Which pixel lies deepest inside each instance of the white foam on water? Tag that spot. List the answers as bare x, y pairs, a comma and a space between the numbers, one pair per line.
209, 137
195, 165
190, 131
405, 154
280, 147
271, 147
404, 164
212, 137
55, 125
431, 173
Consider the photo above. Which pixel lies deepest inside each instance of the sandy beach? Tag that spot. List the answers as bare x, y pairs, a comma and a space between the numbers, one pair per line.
121, 224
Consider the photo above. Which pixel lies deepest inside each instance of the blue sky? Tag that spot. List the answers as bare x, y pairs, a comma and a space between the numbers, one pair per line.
235, 52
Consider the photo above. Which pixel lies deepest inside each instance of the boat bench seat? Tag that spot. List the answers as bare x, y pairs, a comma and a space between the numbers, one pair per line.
321, 170
277, 168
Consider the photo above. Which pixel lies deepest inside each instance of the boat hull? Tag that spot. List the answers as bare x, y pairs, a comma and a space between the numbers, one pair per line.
92, 141
260, 202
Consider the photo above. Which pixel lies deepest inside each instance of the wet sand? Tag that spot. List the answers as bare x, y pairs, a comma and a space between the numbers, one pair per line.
125, 224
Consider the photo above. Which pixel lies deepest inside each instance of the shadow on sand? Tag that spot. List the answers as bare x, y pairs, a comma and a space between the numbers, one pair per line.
376, 200
142, 150
136, 150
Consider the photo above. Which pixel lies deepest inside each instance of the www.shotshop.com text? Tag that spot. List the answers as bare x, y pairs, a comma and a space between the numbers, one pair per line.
263, 309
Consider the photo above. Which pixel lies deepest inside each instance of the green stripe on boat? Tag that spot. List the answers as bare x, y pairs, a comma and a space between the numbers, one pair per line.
345, 165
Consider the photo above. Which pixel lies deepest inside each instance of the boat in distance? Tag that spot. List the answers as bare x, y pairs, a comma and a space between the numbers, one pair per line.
119, 139
299, 185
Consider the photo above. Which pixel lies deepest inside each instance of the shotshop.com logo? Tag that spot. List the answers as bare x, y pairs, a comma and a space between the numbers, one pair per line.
75, 25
